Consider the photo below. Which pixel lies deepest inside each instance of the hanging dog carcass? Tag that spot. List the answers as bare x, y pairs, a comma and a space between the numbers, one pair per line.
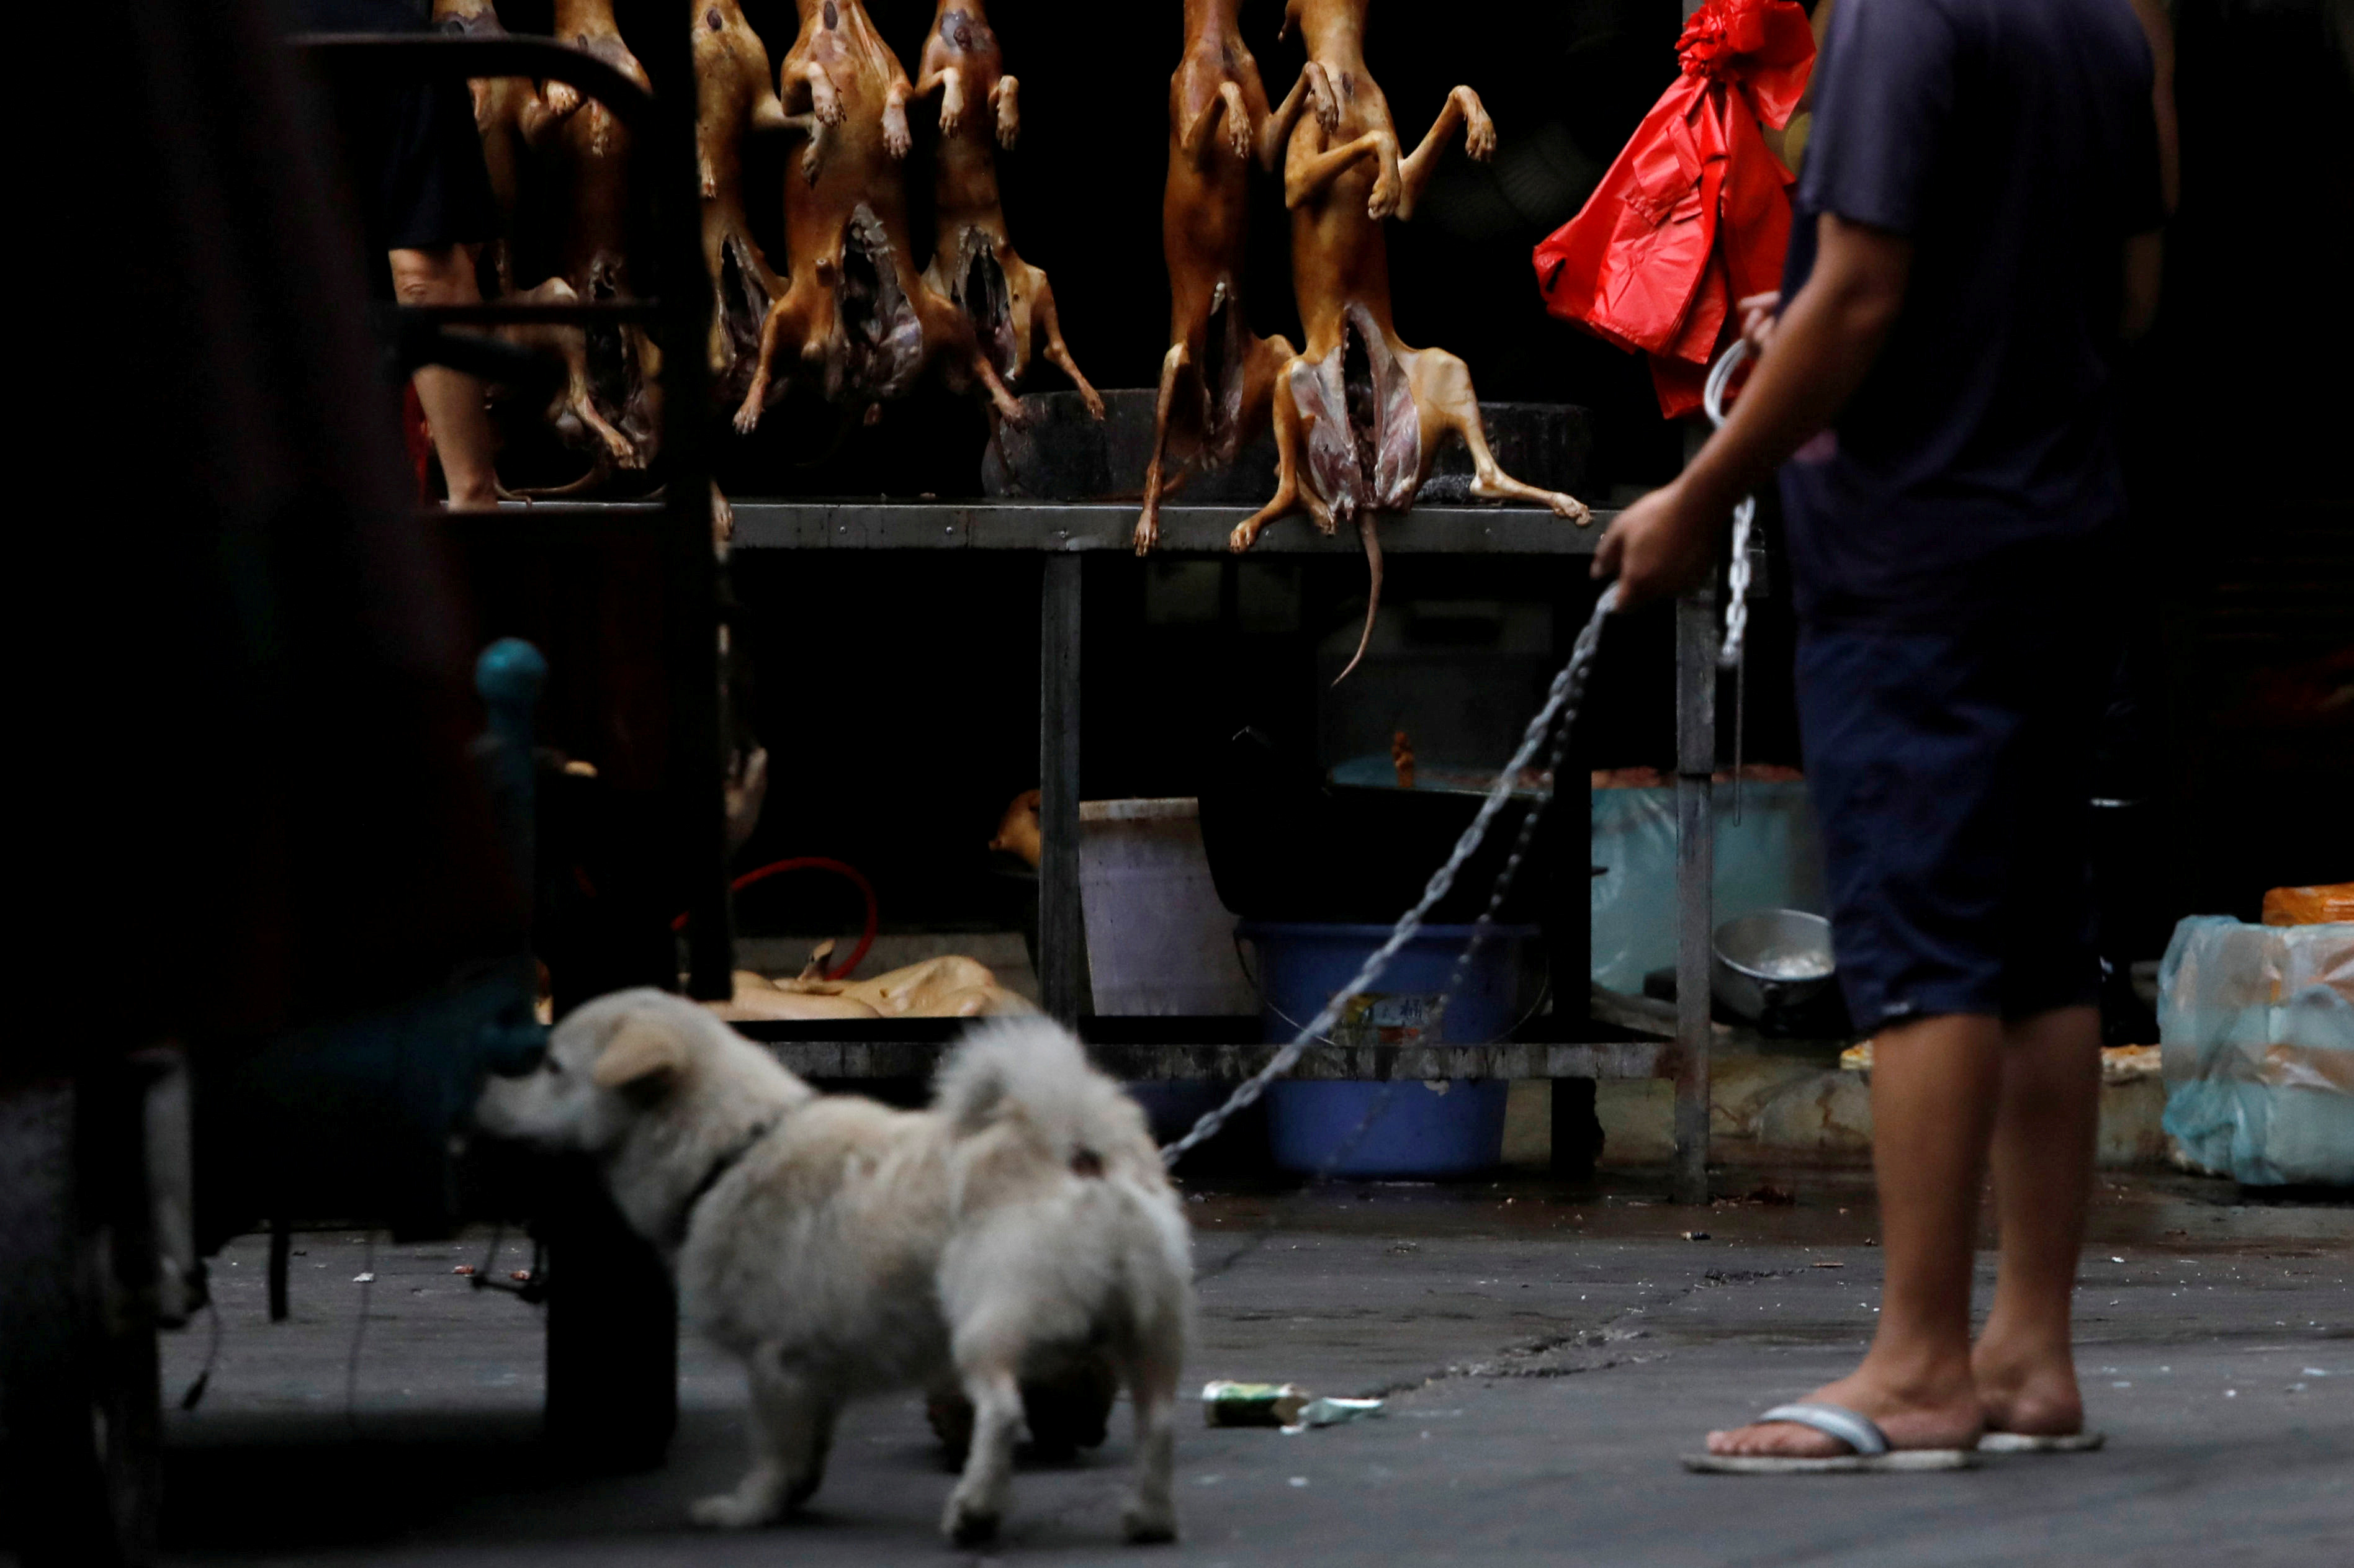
1217, 379
733, 97
973, 262
1364, 411
855, 312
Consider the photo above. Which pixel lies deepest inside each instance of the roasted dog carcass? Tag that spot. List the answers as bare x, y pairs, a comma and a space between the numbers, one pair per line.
973, 262
855, 311
583, 163
734, 96
1365, 411
1216, 378
513, 119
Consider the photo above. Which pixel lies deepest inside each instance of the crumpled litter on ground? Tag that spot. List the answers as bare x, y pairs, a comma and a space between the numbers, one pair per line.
1285, 1405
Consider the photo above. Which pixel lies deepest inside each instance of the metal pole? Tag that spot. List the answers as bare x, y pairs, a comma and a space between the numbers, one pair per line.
1061, 931
1695, 871
667, 160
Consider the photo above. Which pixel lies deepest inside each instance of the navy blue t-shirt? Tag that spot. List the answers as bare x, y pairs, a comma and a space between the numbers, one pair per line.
2014, 142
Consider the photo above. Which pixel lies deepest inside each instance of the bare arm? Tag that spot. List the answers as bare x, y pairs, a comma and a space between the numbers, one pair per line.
2144, 254
2159, 30
2144, 264
1820, 352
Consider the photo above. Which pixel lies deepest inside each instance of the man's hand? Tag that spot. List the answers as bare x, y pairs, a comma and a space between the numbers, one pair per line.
1660, 546
1760, 315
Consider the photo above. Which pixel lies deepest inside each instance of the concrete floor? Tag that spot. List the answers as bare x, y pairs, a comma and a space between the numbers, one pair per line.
1548, 1350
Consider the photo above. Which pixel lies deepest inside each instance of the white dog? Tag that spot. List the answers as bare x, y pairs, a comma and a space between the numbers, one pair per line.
841, 1247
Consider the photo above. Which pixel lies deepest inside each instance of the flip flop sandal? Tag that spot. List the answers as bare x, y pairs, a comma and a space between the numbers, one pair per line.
2024, 1443
1872, 1453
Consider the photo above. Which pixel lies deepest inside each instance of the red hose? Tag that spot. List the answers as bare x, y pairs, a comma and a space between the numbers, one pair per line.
817, 863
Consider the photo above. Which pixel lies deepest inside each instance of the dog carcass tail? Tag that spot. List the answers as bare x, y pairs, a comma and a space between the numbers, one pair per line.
1373, 593
1033, 1069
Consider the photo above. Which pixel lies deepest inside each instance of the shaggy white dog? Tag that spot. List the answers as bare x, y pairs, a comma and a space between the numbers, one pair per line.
841, 1247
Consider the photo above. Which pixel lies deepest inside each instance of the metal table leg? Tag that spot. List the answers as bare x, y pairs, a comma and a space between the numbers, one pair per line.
1695, 871
1061, 934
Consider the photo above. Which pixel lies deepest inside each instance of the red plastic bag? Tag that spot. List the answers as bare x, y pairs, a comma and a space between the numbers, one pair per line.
1695, 213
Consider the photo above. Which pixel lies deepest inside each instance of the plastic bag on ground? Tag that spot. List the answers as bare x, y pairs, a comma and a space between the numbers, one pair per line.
2256, 1024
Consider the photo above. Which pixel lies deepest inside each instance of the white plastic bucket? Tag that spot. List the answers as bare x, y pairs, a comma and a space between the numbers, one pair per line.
1159, 942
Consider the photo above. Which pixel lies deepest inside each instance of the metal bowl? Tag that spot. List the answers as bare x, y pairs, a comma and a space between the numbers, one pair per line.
1773, 958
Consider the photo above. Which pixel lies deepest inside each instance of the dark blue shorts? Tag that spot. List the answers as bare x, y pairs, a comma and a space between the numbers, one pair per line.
1950, 772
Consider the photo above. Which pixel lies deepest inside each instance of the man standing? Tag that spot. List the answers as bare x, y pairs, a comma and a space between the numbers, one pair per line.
1974, 230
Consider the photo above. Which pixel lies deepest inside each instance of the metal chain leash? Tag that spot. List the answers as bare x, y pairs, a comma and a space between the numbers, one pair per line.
1562, 702
1744, 516
1340, 1153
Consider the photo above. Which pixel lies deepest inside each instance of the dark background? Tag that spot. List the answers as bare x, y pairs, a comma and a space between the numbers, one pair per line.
897, 695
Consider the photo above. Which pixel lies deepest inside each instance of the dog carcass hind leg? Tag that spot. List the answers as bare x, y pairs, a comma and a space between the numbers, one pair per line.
1050, 327
1289, 495
1442, 389
1148, 525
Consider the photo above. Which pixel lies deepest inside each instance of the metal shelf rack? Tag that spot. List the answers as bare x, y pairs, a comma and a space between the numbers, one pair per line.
1059, 534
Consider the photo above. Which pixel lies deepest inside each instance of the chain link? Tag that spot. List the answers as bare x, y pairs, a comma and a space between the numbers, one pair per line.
1744, 516
1561, 704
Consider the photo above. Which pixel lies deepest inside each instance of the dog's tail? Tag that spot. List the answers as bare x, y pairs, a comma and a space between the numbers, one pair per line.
1033, 1069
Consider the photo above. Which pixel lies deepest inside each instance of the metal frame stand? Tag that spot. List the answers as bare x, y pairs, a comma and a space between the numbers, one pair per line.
1062, 532
1695, 880
1062, 988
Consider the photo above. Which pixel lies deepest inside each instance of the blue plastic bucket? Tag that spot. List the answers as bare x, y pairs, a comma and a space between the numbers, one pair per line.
1455, 1129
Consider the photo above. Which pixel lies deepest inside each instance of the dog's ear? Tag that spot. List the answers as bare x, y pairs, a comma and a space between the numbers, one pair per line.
643, 1055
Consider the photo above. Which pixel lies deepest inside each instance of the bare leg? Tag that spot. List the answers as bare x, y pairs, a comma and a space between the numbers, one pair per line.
1151, 1512
1935, 1083
979, 1501
1148, 523
792, 1426
453, 402
2046, 1124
